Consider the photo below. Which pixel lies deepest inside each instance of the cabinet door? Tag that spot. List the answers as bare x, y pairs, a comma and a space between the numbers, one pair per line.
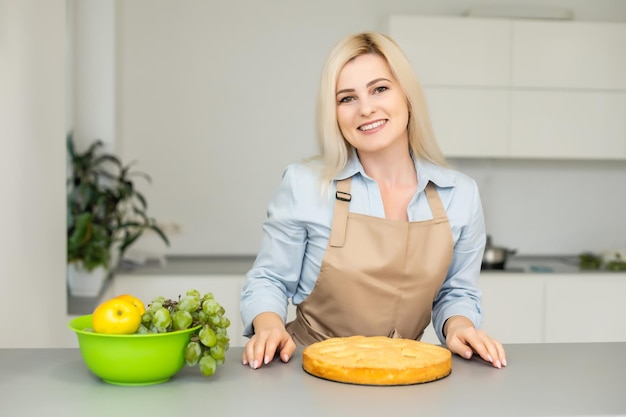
569, 55
586, 308
430, 336
568, 124
470, 122
513, 307
454, 50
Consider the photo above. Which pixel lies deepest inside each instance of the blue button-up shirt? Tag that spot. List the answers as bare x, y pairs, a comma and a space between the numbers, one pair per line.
297, 229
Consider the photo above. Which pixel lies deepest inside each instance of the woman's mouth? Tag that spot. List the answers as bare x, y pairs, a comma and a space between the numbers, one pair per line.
372, 125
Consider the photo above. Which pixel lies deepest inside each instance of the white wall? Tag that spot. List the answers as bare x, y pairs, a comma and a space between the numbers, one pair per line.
92, 64
215, 98
32, 174
552, 207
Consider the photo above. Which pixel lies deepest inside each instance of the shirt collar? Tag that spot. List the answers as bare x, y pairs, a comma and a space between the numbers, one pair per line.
352, 168
426, 171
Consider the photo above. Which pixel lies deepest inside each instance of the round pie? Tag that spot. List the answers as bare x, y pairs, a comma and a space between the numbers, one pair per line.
376, 360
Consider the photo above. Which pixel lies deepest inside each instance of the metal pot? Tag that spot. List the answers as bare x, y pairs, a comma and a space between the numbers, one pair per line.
495, 257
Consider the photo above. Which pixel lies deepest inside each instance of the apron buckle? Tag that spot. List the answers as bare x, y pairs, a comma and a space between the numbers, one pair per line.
342, 196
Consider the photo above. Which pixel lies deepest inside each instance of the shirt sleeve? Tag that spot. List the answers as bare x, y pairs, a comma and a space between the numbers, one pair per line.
273, 278
459, 294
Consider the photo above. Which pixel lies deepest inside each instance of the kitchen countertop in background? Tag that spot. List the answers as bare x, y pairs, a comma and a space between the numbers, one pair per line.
560, 264
170, 266
556, 264
240, 265
191, 265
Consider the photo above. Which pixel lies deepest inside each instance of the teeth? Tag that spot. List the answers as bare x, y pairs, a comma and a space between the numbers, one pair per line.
373, 125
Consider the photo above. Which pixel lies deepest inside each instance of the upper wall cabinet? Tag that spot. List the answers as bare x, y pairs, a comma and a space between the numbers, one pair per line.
569, 55
448, 51
508, 88
470, 122
568, 124
465, 51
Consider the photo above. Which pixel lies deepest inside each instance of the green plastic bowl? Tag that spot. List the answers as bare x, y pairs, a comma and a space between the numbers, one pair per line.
136, 359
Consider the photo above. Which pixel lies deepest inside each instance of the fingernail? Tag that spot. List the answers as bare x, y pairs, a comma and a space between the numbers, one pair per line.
468, 354
504, 362
254, 364
266, 360
489, 358
285, 357
244, 361
498, 365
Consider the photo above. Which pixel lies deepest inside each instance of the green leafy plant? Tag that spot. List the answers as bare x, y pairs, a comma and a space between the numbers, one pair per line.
104, 208
588, 260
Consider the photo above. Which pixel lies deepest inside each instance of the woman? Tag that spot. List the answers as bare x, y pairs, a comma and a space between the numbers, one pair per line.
376, 234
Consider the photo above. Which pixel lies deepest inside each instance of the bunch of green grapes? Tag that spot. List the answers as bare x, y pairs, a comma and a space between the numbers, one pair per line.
208, 345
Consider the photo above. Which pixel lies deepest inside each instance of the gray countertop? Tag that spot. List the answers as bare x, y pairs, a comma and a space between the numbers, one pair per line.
171, 266
192, 265
541, 380
240, 265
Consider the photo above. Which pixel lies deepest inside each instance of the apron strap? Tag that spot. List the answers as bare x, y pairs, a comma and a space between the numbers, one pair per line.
439, 213
340, 216
342, 204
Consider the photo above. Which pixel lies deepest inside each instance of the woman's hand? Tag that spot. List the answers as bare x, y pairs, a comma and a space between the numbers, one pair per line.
270, 338
464, 339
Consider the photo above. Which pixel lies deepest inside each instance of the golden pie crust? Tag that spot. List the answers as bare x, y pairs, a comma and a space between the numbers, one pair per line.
376, 360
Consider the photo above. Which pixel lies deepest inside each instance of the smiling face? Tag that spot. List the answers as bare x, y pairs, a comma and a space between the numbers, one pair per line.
372, 111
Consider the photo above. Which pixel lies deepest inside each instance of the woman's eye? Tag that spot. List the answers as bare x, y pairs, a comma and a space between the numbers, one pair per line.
346, 99
380, 89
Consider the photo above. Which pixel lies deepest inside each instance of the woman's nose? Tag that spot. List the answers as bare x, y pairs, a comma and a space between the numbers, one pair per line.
366, 106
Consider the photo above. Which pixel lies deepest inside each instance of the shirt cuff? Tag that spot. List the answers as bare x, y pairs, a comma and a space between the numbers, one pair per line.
458, 309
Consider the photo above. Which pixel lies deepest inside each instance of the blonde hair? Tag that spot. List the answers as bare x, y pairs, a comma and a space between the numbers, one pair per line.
335, 150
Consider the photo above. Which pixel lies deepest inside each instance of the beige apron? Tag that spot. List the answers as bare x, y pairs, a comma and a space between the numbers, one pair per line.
378, 277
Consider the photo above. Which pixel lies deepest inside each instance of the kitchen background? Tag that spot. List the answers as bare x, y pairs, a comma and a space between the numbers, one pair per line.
213, 99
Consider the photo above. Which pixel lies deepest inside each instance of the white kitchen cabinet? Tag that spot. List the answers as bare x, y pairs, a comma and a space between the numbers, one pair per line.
430, 336
586, 308
554, 308
509, 88
513, 306
226, 289
452, 51
568, 124
470, 121
578, 55
517, 307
